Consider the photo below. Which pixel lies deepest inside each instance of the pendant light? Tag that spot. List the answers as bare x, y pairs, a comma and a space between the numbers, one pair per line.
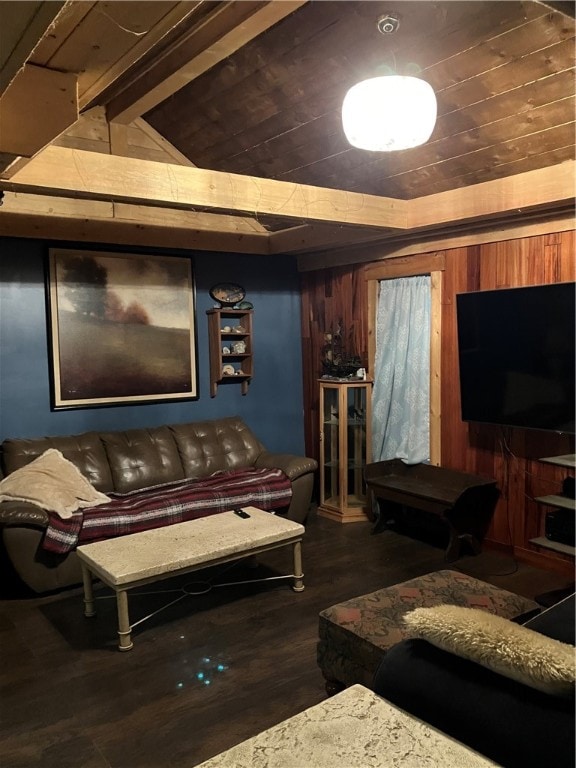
390, 112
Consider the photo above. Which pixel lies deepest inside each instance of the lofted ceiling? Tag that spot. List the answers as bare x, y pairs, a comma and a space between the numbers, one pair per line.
219, 122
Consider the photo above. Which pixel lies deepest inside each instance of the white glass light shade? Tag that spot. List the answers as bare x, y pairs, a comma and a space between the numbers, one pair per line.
389, 113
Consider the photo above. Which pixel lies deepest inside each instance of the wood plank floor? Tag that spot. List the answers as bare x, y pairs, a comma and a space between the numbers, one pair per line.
207, 672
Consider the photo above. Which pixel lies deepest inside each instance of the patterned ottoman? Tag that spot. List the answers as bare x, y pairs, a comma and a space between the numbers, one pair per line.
355, 635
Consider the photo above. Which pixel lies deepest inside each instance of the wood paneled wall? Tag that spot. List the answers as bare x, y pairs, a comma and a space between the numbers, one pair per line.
509, 455
330, 297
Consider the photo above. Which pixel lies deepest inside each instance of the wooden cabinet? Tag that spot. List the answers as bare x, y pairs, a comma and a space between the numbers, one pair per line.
345, 420
230, 344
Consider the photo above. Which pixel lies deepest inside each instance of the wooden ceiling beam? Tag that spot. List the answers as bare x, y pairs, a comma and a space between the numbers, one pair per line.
23, 215
38, 105
23, 24
539, 188
63, 172
226, 30
313, 237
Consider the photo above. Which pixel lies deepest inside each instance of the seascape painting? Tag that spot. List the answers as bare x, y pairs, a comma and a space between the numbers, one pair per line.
122, 328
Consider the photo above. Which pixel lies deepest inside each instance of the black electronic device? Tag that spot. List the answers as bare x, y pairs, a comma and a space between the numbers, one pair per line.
516, 356
241, 513
568, 487
559, 526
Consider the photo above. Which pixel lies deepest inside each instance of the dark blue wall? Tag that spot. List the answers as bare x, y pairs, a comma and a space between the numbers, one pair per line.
273, 407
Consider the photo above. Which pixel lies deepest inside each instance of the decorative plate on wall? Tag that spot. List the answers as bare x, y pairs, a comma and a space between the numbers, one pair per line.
227, 294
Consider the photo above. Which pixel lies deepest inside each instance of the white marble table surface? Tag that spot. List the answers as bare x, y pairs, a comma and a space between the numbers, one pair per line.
354, 729
161, 551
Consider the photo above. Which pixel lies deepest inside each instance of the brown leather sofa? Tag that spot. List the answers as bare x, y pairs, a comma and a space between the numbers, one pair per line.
130, 460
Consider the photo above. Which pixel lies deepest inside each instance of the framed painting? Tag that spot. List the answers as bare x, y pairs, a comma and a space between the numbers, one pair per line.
122, 328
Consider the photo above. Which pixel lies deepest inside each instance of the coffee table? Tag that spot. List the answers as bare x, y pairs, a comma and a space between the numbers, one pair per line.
141, 558
354, 729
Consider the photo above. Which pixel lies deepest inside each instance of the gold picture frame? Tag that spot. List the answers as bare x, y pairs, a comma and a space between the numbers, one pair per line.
122, 328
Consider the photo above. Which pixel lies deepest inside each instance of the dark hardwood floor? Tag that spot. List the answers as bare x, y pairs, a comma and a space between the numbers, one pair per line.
206, 673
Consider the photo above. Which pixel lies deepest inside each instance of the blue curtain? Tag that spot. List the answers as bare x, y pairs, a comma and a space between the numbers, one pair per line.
401, 394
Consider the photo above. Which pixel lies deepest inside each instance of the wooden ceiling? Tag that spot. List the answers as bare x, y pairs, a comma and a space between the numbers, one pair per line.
219, 122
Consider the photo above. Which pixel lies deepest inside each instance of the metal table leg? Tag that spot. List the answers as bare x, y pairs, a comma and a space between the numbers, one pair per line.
89, 609
124, 629
298, 585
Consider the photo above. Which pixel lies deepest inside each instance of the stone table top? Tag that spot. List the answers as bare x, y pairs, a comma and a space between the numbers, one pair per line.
354, 729
201, 542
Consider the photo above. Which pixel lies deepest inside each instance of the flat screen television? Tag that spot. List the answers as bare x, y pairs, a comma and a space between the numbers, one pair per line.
516, 356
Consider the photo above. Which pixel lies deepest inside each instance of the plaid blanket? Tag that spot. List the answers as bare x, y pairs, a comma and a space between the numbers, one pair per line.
168, 503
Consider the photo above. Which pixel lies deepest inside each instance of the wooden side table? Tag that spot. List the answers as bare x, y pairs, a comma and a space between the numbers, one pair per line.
465, 503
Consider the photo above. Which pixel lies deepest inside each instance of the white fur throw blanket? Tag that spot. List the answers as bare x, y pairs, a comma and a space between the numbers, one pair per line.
498, 644
53, 483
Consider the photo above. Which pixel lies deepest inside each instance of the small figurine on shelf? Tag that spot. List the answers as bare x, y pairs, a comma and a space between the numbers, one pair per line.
338, 362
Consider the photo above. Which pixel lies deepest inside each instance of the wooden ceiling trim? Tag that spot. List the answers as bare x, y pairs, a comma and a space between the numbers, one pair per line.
319, 237
218, 224
438, 241
405, 267
74, 173
41, 205
175, 155
540, 187
57, 218
92, 132
127, 233
23, 24
230, 27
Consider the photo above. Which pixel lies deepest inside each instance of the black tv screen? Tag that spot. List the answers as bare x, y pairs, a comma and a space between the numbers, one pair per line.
516, 356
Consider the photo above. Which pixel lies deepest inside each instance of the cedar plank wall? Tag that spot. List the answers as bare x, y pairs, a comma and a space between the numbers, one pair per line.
328, 297
509, 455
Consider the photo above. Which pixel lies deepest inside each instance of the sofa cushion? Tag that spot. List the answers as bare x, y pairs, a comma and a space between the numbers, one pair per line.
140, 458
498, 644
212, 446
85, 451
167, 504
53, 483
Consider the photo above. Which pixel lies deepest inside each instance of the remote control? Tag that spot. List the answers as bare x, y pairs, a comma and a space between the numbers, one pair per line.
241, 513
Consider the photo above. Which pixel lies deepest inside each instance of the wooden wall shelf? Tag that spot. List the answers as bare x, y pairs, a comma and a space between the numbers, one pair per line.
226, 328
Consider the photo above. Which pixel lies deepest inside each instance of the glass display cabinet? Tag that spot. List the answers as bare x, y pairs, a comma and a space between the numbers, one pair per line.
345, 440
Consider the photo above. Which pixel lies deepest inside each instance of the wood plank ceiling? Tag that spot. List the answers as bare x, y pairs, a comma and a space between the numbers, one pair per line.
252, 91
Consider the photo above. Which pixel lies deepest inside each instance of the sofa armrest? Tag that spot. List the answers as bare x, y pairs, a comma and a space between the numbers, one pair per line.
498, 717
22, 513
292, 466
